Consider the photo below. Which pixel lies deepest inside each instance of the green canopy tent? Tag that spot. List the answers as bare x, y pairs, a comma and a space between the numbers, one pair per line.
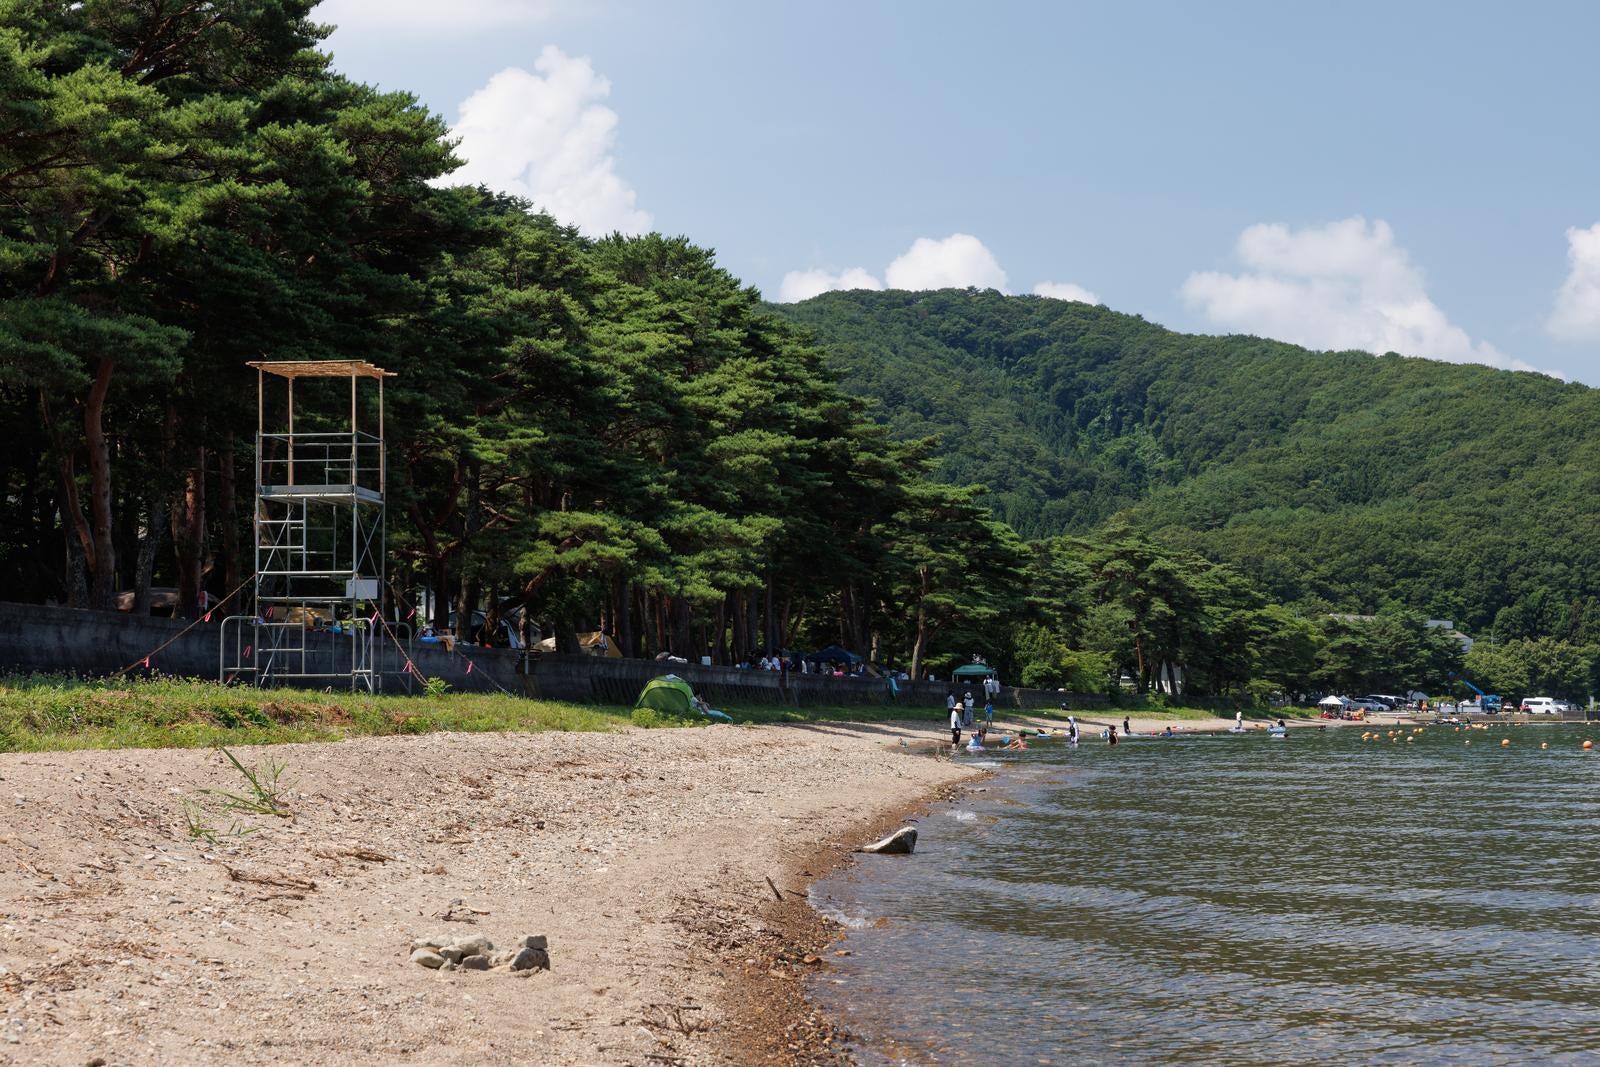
974, 670
669, 694
672, 695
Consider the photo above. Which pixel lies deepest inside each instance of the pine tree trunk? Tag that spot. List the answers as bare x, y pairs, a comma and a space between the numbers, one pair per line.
770, 629
76, 581
624, 615
439, 578
645, 631
75, 527
682, 630
567, 637
921, 645
465, 603
103, 565
149, 546
227, 490
786, 621
189, 536
752, 620
741, 651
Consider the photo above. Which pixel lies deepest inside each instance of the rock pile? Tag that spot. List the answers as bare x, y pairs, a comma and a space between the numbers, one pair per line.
474, 952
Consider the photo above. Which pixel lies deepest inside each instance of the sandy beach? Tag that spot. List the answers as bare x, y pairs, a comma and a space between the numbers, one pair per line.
644, 857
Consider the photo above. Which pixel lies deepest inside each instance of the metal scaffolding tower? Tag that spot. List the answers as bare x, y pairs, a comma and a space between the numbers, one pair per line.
319, 544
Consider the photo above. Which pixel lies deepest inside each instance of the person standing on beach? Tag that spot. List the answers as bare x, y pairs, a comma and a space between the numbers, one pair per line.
966, 702
1238, 720
949, 700
955, 726
988, 712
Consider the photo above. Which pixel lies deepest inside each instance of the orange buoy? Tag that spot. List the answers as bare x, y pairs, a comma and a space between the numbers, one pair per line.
1505, 742
1588, 744
1409, 740
1544, 744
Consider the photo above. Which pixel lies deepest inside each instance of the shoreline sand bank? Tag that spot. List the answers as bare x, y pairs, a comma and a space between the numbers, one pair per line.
643, 857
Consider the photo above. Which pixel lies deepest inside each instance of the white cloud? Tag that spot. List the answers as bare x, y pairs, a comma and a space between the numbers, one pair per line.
1342, 285
800, 285
1577, 313
433, 16
956, 262
546, 136
1065, 291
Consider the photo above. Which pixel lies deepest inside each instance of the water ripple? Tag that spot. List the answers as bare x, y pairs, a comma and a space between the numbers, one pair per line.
1239, 900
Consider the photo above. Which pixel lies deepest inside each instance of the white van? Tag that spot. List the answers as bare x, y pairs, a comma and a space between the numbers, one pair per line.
1540, 706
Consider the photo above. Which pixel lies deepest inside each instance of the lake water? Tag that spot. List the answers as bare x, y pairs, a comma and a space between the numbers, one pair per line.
1240, 900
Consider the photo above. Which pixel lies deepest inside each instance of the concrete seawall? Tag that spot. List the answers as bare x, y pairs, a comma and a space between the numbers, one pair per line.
54, 640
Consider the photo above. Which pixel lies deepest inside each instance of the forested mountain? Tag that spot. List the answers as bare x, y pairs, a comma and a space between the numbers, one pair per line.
1337, 480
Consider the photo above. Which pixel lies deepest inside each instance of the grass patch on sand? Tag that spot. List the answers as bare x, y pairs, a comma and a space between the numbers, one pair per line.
47, 713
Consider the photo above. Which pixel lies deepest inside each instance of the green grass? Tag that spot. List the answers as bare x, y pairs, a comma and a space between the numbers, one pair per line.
44, 714
40, 713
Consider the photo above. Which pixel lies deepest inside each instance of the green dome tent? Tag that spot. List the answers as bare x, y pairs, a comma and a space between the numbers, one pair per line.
669, 694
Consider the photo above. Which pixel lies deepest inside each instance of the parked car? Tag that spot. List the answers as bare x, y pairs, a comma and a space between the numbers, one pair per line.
1368, 704
1540, 706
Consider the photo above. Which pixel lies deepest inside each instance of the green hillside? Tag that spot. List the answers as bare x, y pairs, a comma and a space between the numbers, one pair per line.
1337, 480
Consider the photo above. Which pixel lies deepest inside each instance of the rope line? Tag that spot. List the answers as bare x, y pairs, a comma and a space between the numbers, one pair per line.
395, 593
205, 617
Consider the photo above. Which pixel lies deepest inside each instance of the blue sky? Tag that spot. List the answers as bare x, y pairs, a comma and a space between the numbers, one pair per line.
1413, 176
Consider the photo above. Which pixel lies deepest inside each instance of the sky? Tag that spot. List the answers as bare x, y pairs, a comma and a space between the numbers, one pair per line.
1398, 176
